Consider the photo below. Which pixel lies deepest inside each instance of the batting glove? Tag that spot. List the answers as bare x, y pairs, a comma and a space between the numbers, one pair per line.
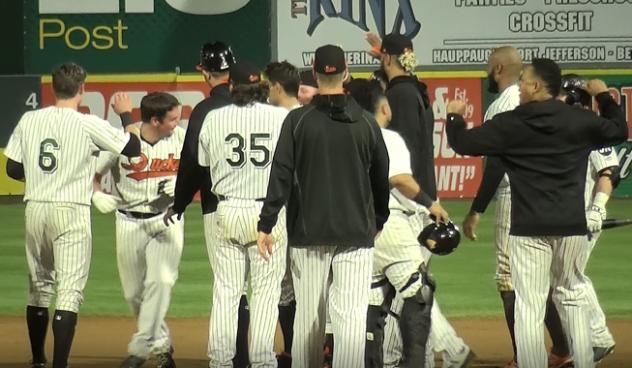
167, 187
595, 218
103, 202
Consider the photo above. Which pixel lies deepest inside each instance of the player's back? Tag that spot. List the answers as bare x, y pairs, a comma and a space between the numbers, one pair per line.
238, 143
58, 153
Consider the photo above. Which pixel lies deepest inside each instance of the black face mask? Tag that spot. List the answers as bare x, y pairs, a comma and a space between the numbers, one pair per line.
492, 85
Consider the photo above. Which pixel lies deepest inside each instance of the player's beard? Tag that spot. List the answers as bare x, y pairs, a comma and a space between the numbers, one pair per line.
492, 85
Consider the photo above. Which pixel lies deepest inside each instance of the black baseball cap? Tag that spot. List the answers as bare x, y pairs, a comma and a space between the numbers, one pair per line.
244, 72
396, 44
329, 59
216, 57
307, 78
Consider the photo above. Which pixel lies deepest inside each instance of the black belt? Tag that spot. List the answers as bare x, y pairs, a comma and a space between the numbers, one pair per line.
139, 215
224, 198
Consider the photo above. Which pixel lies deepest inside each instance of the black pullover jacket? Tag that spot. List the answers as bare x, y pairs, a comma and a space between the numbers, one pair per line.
191, 176
413, 119
544, 147
331, 168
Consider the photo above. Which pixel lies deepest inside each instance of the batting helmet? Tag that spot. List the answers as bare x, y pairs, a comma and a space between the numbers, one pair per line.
573, 88
216, 57
441, 238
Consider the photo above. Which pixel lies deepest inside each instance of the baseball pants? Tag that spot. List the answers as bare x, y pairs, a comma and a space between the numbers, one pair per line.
601, 335
148, 255
235, 255
339, 277
540, 263
397, 257
503, 224
58, 251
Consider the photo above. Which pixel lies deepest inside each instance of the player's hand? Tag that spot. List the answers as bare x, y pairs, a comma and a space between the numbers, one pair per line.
375, 42
470, 223
456, 107
167, 187
168, 217
595, 217
105, 203
439, 213
595, 87
121, 103
264, 243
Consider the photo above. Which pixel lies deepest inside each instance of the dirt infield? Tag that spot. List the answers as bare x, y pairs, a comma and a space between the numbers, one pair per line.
101, 342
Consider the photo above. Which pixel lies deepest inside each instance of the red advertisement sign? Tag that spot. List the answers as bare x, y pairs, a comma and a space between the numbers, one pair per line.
457, 176
98, 97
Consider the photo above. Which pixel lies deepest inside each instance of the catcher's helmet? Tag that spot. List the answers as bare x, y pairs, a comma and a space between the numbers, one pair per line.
573, 88
440, 239
216, 57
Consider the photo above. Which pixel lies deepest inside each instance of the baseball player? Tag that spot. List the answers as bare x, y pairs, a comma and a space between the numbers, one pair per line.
331, 168
504, 68
236, 144
398, 263
215, 61
284, 85
601, 177
53, 149
413, 119
148, 252
544, 145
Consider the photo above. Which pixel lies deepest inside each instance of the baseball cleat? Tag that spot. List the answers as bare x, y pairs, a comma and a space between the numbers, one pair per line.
39, 365
462, 359
556, 361
599, 353
165, 360
133, 361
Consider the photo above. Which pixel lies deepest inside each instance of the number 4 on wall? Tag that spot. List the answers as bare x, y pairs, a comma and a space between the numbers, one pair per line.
31, 101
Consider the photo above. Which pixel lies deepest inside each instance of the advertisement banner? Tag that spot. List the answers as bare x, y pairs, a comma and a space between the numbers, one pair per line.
140, 36
448, 33
457, 176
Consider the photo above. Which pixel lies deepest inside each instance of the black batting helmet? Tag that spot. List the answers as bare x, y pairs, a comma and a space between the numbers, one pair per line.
441, 238
573, 89
216, 57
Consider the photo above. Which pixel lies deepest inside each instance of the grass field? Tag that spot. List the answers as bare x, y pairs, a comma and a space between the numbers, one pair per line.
465, 278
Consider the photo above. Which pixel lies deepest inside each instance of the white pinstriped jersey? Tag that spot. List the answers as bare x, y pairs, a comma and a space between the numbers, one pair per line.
508, 100
597, 160
238, 144
137, 179
58, 147
399, 163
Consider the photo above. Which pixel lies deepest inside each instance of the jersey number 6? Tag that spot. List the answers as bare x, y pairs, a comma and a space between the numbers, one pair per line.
47, 160
257, 148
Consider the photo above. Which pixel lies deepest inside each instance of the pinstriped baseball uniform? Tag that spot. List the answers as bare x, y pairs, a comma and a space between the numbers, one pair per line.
148, 252
57, 147
237, 144
597, 161
287, 288
508, 100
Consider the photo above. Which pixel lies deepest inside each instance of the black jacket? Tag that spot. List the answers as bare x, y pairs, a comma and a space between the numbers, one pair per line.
331, 168
413, 119
191, 176
544, 147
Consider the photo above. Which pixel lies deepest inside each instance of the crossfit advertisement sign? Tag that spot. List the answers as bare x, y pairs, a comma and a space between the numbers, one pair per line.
447, 33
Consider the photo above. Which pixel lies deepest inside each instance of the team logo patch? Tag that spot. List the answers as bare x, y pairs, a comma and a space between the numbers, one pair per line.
142, 169
605, 151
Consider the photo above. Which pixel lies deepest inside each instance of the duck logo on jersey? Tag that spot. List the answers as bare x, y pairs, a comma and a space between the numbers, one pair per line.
605, 151
142, 169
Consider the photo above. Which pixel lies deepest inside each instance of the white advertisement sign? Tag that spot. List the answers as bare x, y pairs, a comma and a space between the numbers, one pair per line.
459, 32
